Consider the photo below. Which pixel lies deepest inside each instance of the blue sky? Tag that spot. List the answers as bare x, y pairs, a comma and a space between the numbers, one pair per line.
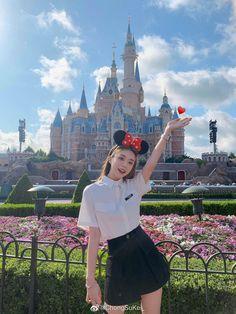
49, 49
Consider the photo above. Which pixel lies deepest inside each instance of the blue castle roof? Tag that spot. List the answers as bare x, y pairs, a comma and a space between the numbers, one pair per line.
83, 101
57, 123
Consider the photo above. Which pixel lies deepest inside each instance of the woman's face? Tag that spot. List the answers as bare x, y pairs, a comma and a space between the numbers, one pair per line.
121, 164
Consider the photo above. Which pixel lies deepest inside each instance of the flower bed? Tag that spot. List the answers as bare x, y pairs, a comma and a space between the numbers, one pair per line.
185, 230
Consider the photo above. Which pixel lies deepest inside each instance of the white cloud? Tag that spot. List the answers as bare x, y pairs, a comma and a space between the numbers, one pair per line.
74, 104
197, 134
172, 4
154, 56
188, 51
191, 6
228, 31
8, 140
211, 89
102, 73
71, 48
60, 17
40, 139
56, 74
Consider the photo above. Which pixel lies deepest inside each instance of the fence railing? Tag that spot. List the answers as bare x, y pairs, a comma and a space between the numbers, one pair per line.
34, 253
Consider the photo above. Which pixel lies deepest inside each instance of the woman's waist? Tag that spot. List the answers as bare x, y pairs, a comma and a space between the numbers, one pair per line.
119, 242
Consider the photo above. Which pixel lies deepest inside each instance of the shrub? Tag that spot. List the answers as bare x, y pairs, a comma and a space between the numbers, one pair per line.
82, 183
146, 208
19, 194
187, 289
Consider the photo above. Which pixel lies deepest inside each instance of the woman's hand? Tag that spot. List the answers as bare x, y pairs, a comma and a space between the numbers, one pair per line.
176, 124
94, 294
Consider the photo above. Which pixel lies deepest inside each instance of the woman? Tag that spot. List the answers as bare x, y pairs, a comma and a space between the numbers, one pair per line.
135, 269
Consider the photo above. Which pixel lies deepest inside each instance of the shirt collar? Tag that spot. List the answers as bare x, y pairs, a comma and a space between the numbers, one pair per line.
111, 183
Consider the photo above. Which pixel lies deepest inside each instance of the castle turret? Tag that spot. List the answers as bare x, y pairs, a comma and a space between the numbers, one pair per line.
83, 108
129, 58
69, 110
113, 65
55, 134
165, 112
137, 76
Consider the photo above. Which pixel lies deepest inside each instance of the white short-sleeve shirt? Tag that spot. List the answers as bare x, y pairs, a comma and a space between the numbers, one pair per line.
113, 206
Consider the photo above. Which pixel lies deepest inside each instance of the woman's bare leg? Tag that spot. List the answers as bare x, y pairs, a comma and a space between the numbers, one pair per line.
114, 309
151, 302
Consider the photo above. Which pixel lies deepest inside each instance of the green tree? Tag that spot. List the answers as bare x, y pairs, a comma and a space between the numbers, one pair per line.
19, 194
232, 156
40, 153
177, 159
82, 183
29, 150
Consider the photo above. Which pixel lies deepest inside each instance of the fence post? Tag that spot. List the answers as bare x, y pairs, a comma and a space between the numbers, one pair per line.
33, 274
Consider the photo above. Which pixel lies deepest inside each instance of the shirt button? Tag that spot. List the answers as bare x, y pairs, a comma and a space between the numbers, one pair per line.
128, 236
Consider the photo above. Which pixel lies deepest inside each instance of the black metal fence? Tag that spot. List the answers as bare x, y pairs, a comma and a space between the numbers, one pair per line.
35, 254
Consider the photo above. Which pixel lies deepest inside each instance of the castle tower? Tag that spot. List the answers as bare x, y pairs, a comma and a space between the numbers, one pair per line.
177, 139
55, 134
110, 93
132, 91
166, 116
83, 108
66, 133
165, 112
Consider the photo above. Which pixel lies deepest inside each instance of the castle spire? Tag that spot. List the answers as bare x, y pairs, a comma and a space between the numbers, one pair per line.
149, 112
57, 123
175, 114
165, 98
129, 39
137, 76
99, 90
83, 101
113, 65
69, 110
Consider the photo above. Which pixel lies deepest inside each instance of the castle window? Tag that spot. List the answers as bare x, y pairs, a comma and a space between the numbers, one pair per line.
150, 129
83, 129
117, 113
140, 130
117, 125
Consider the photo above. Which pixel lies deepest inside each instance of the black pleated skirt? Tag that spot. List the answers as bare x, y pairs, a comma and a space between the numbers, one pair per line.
134, 267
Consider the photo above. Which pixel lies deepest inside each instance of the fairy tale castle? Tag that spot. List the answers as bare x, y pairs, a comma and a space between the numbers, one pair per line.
84, 134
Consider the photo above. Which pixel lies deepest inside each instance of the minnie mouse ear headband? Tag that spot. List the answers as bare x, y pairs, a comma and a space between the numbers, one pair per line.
122, 138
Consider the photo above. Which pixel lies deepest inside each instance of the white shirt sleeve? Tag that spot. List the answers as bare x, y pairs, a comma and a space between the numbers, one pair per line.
140, 185
87, 216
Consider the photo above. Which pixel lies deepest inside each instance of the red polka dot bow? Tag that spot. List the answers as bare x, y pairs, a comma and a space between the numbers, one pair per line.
128, 141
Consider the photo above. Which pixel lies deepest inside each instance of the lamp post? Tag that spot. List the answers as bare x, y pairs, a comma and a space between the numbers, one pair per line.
40, 195
197, 202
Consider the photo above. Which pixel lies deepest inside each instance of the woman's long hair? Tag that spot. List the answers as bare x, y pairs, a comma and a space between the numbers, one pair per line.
106, 166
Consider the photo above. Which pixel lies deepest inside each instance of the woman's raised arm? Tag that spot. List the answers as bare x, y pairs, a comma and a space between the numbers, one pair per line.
161, 145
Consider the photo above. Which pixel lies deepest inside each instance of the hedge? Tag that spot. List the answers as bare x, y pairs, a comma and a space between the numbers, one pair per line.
187, 290
146, 208
218, 195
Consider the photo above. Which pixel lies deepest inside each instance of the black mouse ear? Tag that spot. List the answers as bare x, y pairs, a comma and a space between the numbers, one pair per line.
119, 136
144, 147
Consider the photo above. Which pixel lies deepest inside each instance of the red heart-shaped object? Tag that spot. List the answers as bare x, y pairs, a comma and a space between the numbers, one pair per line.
181, 110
